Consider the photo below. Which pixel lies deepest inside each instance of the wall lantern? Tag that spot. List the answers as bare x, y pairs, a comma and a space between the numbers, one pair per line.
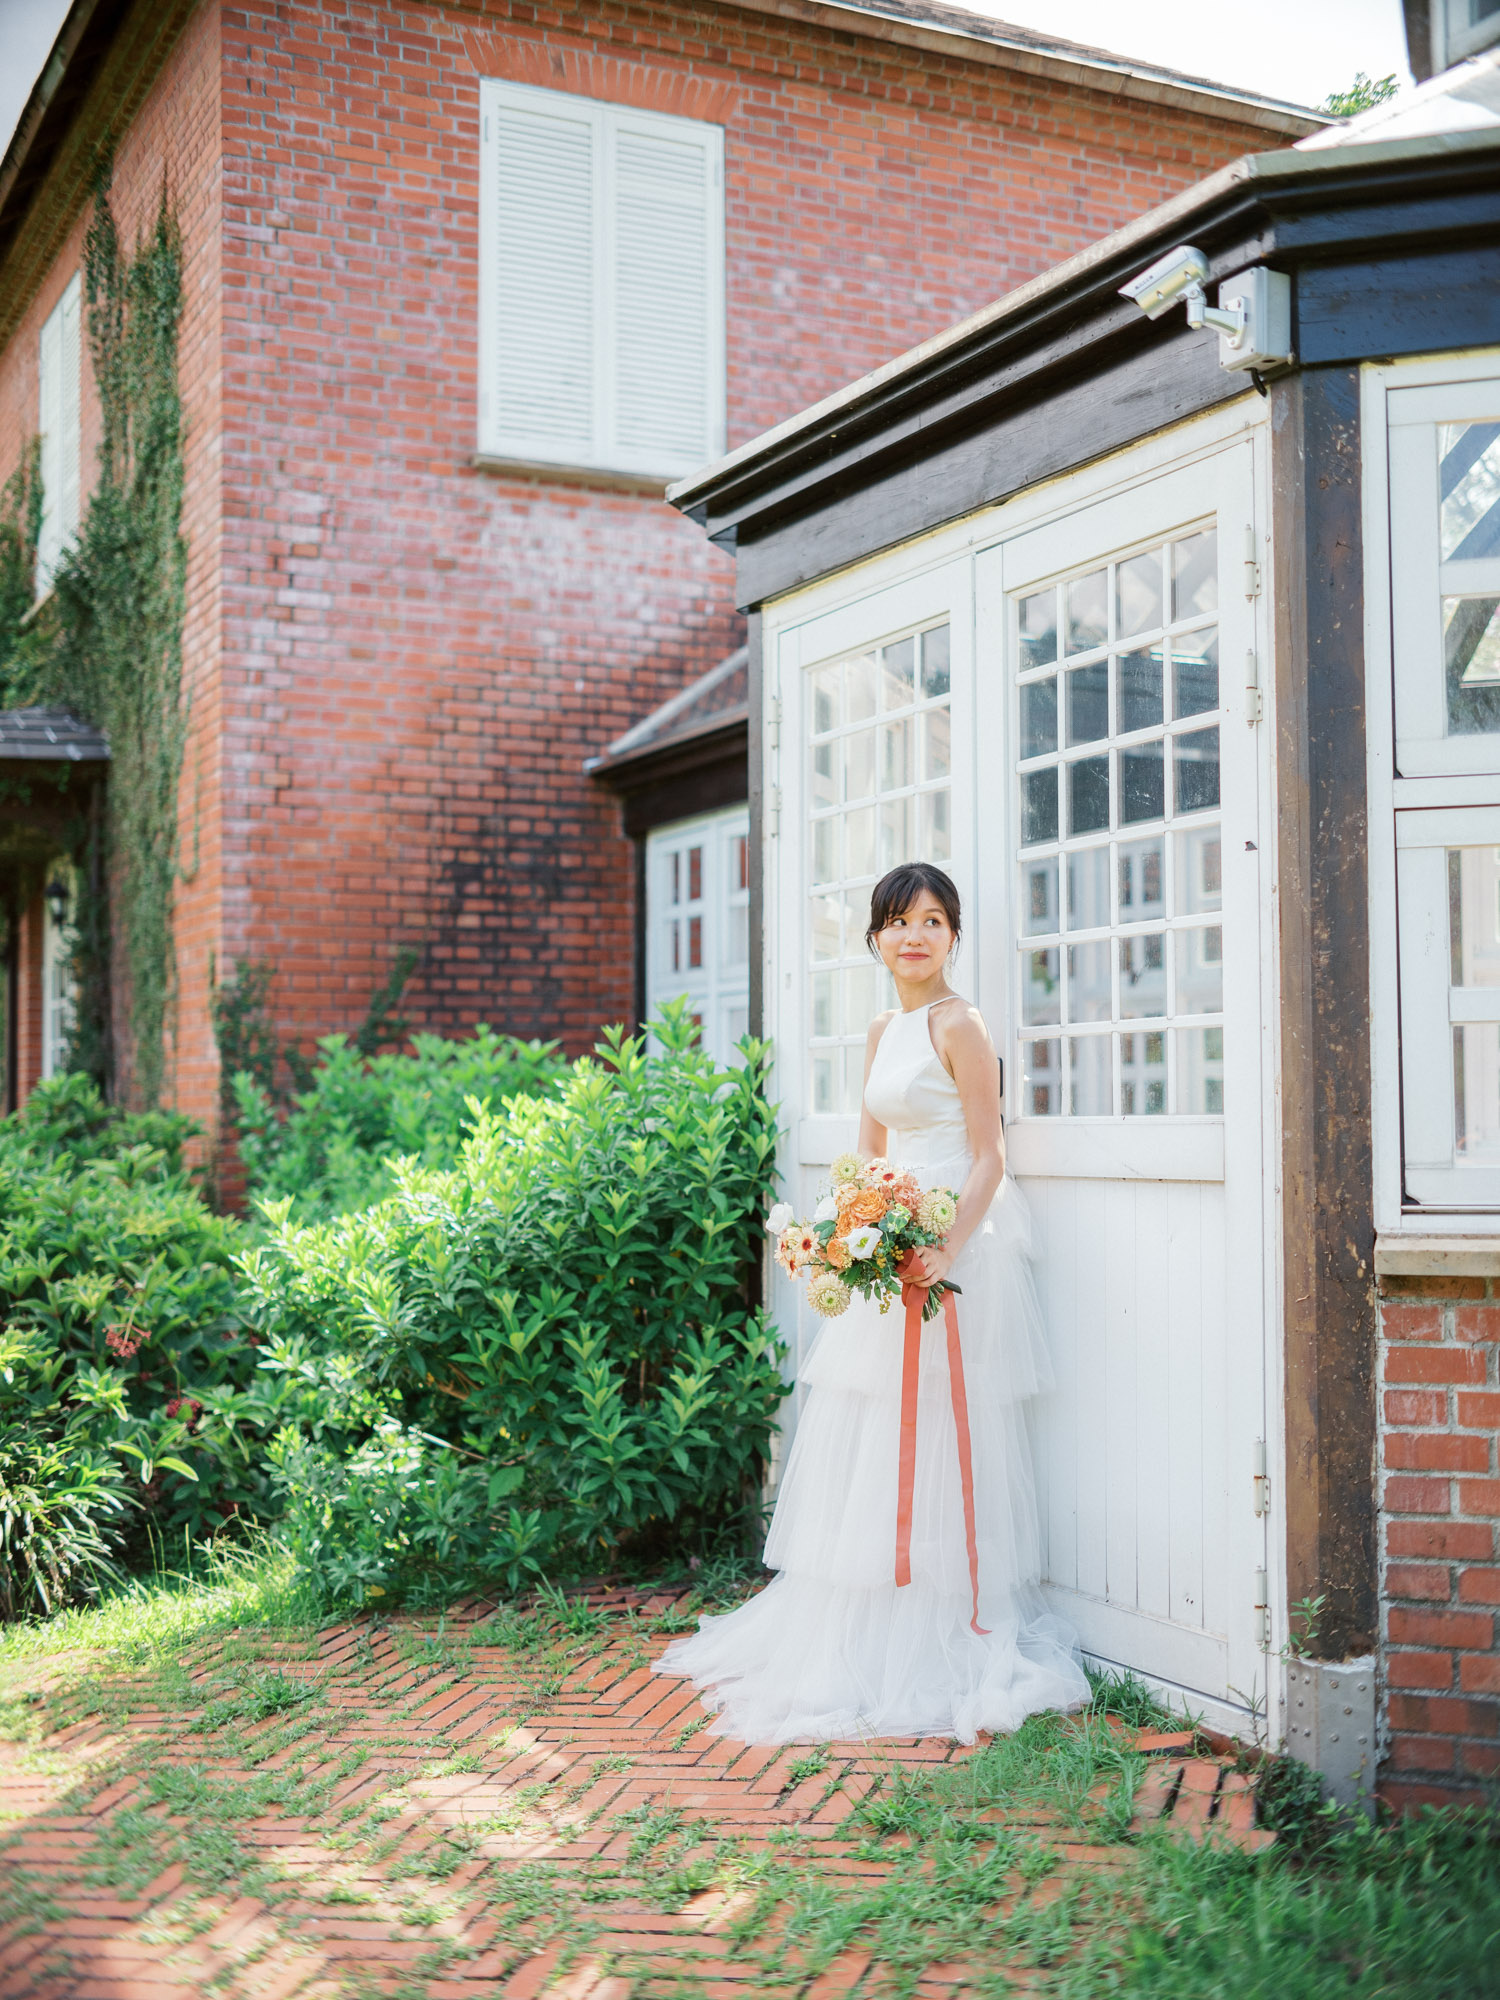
56, 893
1253, 318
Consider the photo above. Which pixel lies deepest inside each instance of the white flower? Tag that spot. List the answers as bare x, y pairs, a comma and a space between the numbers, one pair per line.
863, 1242
782, 1216
827, 1210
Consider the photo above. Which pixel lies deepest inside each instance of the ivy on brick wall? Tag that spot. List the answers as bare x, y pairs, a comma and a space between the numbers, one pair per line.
107, 643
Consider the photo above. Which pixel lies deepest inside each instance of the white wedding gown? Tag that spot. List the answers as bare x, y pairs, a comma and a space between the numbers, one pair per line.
832, 1649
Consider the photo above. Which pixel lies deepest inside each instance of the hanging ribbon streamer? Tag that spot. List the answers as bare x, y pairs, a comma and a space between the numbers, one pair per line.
914, 1297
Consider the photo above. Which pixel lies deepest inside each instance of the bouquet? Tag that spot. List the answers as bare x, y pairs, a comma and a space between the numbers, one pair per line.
864, 1228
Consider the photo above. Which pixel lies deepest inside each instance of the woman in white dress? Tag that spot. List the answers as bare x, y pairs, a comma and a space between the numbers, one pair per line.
833, 1648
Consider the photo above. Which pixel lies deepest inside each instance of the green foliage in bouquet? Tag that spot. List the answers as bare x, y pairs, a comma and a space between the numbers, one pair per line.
121, 1357
547, 1354
336, 1147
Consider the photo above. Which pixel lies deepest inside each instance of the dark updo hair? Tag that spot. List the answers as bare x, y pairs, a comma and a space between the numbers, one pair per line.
897, 891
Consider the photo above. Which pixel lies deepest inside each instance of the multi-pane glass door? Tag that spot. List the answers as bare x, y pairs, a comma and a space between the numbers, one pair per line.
698, 924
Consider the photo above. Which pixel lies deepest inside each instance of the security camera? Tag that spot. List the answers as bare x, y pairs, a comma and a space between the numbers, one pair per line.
1253, 318
1179, 275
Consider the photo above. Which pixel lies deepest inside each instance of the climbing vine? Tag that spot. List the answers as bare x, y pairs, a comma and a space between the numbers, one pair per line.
107, 643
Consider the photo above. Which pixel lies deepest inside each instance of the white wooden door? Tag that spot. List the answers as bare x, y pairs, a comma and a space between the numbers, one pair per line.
1119, 853
698, 923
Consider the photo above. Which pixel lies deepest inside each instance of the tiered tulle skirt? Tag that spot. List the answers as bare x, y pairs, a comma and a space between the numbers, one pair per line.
831, 1649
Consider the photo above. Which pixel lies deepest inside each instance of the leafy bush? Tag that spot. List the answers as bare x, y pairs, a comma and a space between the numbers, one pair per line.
335, 1150
119, 1344
548, 1353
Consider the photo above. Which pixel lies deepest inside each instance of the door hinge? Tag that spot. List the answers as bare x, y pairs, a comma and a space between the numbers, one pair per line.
1262, 1613
1254, 706
1252, 567
773, 810
1261, 1479
773, 723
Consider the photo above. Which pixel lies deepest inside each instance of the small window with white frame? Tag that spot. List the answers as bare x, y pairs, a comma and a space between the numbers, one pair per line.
58, 366
601, 269
59, 998
1121, 893
698, 924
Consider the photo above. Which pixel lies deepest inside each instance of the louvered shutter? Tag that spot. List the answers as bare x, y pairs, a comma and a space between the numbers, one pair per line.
58, 421
601, 284
664, 198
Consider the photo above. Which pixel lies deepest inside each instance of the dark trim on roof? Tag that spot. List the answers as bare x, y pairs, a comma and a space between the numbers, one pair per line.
1310, 213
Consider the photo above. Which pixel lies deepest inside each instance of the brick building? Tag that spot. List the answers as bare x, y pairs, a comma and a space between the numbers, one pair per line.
464, 287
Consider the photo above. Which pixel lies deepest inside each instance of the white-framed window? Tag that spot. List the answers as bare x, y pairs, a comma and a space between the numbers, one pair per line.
1462, 28
1118, 722
1437, 773
879, 792
58, 422
698, 924
601, 284
58, 988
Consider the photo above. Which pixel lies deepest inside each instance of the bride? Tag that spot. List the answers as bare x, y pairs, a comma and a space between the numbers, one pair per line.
834, 1648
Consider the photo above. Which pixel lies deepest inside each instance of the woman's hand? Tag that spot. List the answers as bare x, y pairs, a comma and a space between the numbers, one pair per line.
929, 1267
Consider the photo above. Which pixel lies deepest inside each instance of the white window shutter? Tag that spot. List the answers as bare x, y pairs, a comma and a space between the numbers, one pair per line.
665, 201
58, 422
601, 284
540, 221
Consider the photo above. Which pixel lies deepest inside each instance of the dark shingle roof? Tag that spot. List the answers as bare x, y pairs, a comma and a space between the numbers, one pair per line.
713, 701
55, 734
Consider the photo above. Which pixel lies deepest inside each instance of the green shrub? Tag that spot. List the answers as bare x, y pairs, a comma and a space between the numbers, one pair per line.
123, 1368
547, 1354
336, 1148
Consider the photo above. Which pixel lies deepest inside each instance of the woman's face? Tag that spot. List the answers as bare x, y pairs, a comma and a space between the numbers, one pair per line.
915, 944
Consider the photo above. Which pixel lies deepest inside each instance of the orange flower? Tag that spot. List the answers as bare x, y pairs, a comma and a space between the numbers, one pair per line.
868, 1205
836, 1250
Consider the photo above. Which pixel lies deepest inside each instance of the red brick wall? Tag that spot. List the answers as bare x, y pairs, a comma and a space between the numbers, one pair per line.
1440, 1363
418, 658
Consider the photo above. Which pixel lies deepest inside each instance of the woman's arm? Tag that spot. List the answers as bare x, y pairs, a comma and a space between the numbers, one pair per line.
963, 1044
872, 1137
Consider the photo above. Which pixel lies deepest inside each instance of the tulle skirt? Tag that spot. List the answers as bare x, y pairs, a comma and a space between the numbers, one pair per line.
832, 1649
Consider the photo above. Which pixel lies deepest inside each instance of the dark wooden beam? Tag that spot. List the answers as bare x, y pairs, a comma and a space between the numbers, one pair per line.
1328, 1225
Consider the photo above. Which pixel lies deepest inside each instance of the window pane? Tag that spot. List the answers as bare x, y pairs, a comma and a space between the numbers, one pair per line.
1195, 770
1088, 795
825, 850
1195, 672
1088, 703
936, 731
695, 943
861, 998
1140, 690
897, 667
1143, 976
1470, 483
1040, 912
1039, 717
695, 874
1471, 661
1041, 1079
827, 927
1142, 879
1039, 629
859, 688
1142, 789
1088, 611
895, 833
1039, 806
824, 784
859, 843
1089, 996
1138, 595
737, 935
859, 764
825, 1080
1200, 1071
676, 878
1090, 1092
739, 862
1476, 1091
1195, 575
828, 685
1474, 915
1088, 889
1200, 883
1200, 971
935, 662
1041, 999
1143, 1073
825, 1000
895, 755
934, 835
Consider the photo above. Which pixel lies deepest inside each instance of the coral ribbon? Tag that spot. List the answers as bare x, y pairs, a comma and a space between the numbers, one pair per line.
914, 1297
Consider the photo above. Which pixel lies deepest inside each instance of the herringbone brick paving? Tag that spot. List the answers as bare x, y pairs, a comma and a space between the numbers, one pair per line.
403, 1808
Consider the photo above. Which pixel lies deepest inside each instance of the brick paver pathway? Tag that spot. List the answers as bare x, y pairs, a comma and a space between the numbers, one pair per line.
405, 1808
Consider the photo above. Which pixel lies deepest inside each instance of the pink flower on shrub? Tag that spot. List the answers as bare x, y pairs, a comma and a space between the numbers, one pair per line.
122, 1340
